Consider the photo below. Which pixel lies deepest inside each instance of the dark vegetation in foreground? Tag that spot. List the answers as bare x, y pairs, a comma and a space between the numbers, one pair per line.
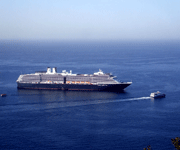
175, 142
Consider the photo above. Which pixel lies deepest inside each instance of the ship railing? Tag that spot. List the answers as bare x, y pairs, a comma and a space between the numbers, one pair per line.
103, 83
78, 82
129, 82
94, 83
123, 81
58, 82
99, 83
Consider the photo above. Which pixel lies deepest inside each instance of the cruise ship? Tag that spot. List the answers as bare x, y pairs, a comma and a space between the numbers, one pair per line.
52, 80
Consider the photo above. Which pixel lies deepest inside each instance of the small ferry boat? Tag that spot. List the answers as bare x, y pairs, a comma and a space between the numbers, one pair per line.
3, 95
157, 95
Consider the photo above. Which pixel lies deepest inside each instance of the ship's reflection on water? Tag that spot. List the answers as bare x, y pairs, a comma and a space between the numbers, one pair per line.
56, 99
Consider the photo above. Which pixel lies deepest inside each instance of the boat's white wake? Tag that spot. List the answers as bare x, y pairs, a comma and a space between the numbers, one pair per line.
132, 99
96, 102
58, 104
121, 100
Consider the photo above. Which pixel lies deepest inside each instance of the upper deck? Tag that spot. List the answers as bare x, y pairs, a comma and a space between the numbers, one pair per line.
67, 78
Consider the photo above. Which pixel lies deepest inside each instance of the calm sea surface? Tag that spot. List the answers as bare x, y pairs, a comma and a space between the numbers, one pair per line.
43, 119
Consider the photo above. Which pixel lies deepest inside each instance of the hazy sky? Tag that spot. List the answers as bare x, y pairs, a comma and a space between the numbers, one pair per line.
90, 19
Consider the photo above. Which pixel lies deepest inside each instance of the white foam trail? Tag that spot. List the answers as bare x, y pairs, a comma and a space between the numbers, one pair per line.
95, 102
132, 99
122, 100
15, 108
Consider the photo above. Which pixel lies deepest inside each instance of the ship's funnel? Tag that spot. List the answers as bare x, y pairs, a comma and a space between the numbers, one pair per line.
48, 70
54, 70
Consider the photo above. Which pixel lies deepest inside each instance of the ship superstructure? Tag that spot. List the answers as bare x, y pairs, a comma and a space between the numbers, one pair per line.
69, 81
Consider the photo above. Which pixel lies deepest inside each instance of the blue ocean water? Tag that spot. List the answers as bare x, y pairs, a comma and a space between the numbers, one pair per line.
44, 119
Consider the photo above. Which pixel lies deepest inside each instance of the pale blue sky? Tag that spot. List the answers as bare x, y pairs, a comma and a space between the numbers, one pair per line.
90, 19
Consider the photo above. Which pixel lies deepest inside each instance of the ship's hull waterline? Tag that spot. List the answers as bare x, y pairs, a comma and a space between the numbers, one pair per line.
73, 87
98, 81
